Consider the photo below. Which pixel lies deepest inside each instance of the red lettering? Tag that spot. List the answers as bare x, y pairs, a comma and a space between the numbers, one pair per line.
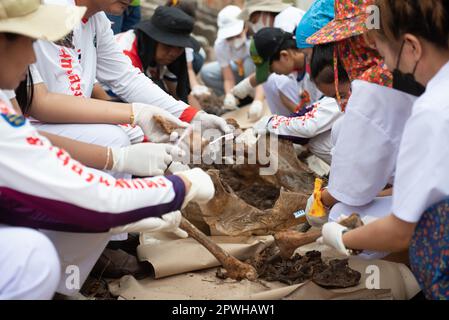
105, 181
34, 141
150, 184
77, 169
123, 184
90, 178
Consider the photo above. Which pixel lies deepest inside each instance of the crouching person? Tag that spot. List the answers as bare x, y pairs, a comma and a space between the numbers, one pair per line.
42, 187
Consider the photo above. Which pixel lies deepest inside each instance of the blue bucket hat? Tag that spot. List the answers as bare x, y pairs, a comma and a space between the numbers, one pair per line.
319, 15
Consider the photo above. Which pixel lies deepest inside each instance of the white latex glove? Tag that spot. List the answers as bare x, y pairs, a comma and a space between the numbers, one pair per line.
333, 237
316, 222
177, 167
210, 121
202, 189
261, 127
143, 117
168, 223
200, 90
230, 102
144, 159
243, 89
255, 111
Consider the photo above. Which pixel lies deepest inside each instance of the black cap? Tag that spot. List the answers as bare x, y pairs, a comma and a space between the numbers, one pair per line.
170, 26
264, 46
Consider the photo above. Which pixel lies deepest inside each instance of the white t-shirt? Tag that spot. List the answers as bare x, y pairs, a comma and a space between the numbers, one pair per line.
302, 93
90, 53
276, 84
225, 53
364, 157
288, 19
422, 175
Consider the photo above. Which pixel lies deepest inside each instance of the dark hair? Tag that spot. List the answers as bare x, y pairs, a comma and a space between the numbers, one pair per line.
322, 65
428, 19
288, 44
189, 7
25, 94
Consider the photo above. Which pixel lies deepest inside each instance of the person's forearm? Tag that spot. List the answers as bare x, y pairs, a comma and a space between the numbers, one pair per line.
260, 94
253, 81
389, 234
386, 193
90, 155
57, 108
228, 78
192, 76
100, 94
327, 199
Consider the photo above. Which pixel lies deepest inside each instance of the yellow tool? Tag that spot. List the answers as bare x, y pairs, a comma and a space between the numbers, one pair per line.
318, 209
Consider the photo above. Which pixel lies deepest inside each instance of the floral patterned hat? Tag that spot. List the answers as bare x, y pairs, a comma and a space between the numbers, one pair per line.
350, 20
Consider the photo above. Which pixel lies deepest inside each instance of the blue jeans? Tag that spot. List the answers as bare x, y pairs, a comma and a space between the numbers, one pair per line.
127, 21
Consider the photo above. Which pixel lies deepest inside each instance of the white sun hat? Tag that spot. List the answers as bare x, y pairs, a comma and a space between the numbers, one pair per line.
229, 25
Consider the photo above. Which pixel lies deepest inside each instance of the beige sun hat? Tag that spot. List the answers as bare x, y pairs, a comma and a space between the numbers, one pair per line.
251, 6
33, 19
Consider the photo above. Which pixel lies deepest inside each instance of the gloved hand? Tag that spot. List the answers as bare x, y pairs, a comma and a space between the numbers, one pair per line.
333, 237
243, 89
210, 121
200, 90
143, 117
316, 213
177, 167
202, 189
168, 223
144, 159
255, 111
230, 102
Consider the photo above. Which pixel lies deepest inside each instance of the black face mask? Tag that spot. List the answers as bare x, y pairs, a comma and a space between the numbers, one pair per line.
406, 82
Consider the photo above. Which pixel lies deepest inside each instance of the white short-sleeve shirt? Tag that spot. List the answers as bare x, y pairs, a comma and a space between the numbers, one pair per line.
364, 157
225, 53
422, 175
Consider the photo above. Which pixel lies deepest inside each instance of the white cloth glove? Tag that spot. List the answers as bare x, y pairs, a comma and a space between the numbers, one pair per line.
144, 159
202, 189
333, 237
200, 90
210, 121
255, 111
261, 127
168, 223
243, 89
316, 222
230, 102
143, 117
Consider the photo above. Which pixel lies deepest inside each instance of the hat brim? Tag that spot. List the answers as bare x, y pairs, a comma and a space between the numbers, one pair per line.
262, 72
276, 8
49, 22
232, 31
170, 39
338, 30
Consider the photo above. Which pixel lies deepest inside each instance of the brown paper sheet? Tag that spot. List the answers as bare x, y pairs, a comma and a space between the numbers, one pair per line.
182, 257
172, 257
